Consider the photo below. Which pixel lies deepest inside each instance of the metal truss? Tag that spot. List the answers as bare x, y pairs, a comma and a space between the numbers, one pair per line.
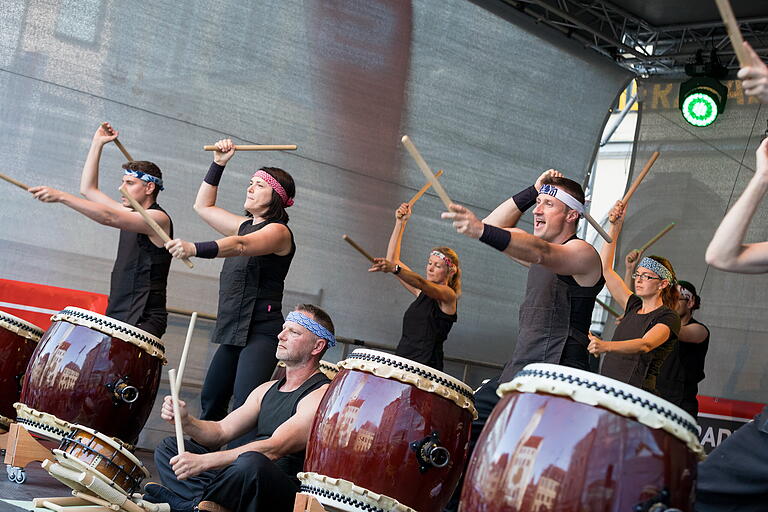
633, 42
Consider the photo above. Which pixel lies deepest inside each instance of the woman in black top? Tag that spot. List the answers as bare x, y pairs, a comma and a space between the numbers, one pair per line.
647, 333
429, 318
258, 249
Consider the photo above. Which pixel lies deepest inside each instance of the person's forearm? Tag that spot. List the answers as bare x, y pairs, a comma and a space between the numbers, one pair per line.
89, 179
206, 194
634, 346
527, 247
608, 250
506, 215
91, 209
206, 433
395, 241
727, 243
628, 271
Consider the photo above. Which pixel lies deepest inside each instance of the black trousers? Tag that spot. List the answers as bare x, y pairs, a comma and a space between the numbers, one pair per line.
252, 483
734, 477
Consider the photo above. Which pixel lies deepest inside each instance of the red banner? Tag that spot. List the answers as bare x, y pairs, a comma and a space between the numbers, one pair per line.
36, 303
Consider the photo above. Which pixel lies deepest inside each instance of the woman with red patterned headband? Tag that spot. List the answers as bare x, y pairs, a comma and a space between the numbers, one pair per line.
258, 248
429, 318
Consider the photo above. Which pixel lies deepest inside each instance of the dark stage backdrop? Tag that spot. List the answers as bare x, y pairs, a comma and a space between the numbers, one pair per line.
699, 176
493, 103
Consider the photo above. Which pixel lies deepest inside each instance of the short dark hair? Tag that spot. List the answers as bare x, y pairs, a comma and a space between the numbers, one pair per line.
147, 168
696, 299
276, 208
568, 185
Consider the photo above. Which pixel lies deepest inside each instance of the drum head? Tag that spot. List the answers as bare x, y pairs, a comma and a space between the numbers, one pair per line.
20, 327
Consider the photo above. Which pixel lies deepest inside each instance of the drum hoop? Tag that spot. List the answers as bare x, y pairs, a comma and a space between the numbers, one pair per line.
20, 326
114, 443
616, 396
325, 366
404, 370
75, 464
134, 483
128, 333
345, 493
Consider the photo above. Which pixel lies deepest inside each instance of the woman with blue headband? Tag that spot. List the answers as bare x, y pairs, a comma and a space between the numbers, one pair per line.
648, 330
429, 318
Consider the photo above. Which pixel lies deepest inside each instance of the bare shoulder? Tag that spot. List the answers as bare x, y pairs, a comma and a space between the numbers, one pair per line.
313, 397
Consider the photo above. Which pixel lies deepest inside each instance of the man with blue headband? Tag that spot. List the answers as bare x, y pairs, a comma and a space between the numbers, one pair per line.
140, 274
260, 475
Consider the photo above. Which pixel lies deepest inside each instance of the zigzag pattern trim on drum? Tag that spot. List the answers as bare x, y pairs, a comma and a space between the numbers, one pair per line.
20, 327
346, 496
335, 496
43, 428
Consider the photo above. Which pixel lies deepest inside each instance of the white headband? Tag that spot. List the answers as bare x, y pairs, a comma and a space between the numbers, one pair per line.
563, 196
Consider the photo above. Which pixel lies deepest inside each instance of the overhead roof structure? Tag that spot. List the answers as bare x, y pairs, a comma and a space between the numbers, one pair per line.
649, 37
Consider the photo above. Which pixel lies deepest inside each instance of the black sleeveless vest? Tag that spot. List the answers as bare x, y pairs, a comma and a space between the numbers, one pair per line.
425, 328
138, 282
276, 408
250, 290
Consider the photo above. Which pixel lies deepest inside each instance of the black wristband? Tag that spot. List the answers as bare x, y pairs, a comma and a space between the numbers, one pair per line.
207, 249
213, 177
525, 198
495, 237
397, 270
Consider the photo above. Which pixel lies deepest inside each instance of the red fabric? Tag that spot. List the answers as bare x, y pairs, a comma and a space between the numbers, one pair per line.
17, 295
726, 407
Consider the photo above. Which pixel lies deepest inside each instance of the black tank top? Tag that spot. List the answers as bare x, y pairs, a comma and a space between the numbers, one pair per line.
425, 328
276, 408
250, 290
683, 370
139, 279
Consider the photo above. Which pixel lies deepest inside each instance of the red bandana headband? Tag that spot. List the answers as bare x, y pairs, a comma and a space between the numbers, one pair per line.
276, 186
445, 258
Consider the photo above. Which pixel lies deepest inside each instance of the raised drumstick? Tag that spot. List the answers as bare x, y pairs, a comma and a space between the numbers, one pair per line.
637, 181
421, 192
608, 308
426, 170
357, 247
598, 227
185, 351
656, 238
119, 144
257, 147
150, 221
734, 34
13, 181
176, 411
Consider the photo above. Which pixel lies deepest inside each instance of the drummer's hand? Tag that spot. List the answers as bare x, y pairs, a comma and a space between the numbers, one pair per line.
596, 345
464, 221
224, 151
104, 134
754, 76
166, 411
188, 464
403, 212
382, 265
46, 194
180, 248
545, 176
631, 258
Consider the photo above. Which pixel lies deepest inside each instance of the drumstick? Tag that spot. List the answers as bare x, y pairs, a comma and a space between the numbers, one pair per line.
119, 144
357, 247
598, 227
257, 147
608, 308
426, 170
656, 238
13, 181
150, 221
176, 411
734, 34
637, 181
183, 362
424, 189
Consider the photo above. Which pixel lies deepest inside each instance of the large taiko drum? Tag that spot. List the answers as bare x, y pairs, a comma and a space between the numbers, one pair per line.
389, 434
91, 370
569, 440
18, 339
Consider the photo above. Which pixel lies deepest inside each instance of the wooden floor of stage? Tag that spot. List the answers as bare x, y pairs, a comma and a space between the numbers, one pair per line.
40, 484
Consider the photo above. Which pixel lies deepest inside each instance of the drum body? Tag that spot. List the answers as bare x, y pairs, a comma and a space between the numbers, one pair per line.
566, 440
91, 370
85, 449
18, 339
382, 433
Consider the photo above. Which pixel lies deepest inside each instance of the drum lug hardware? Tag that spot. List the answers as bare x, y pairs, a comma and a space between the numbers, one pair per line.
122, 391
429, 453
16, 474
659, 503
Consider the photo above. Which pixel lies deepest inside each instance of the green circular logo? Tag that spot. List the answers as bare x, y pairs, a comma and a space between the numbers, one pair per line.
700, 109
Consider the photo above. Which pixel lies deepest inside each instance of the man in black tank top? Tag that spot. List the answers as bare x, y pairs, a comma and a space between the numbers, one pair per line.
140, 274
564, 279
260, 475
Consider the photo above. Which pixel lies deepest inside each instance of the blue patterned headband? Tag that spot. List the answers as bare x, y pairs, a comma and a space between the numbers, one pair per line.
144, 177
313, 327
660, 270
563, 196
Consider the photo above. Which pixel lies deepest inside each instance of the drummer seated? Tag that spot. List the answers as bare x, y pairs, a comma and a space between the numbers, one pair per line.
260, 475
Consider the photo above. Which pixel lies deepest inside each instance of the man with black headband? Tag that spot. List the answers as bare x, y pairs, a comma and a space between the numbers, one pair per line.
260, 475
564, 279
140, 273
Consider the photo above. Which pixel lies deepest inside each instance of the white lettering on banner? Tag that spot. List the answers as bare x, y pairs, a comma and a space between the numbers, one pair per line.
709, 436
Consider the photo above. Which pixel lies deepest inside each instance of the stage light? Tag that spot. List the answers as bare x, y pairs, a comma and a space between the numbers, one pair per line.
703, 97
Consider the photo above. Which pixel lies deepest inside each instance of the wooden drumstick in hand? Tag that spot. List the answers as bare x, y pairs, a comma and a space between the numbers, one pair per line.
637, 181
424, 189
734, 33
13, 181
357, 247
426, 170
176, 411
119, 145
150, 221
185, 351
257, 147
